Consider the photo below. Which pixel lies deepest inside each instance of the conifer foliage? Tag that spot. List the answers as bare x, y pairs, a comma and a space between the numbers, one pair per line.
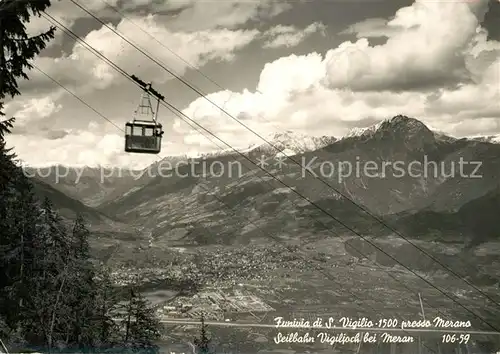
140, 324
53, 295
202, 343
16, 51
17, 47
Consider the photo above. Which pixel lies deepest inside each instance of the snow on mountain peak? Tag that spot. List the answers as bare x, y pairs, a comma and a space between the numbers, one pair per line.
292, 143
493, 139
356, 132
287, 135
396, 122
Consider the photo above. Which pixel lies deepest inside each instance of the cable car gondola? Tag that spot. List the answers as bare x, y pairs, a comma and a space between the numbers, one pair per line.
143, 133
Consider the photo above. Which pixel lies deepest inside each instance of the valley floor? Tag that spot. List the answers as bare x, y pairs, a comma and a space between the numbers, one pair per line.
256, 284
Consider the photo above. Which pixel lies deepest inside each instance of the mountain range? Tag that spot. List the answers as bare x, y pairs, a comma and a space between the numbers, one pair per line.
449, 189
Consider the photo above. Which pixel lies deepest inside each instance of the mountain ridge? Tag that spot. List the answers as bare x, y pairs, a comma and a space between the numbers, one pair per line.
191, 206
188, 206
300, 143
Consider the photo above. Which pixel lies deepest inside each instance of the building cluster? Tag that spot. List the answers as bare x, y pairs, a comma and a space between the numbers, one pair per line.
214, 305
128, 276
221, 266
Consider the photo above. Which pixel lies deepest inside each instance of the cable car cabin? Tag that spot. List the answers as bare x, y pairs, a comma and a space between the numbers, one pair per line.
143, 137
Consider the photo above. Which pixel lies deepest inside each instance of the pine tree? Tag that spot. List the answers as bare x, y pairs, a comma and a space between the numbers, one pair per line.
142, 327
106, 305
55, 241
7, 166
18, 247
47, 304
202, 343
83, 290
81, 240
16, 51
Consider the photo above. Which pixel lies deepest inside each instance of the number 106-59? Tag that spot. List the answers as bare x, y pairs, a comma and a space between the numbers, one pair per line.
453, 338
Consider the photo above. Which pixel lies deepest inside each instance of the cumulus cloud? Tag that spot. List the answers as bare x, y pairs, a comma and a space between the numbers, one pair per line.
196, 15
437, 67
371, 27
31, 109
195, 30
83, 71
176, 16
40, 108
290, 36
427, 52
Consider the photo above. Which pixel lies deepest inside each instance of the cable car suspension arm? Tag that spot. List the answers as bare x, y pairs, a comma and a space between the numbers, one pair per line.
147, 87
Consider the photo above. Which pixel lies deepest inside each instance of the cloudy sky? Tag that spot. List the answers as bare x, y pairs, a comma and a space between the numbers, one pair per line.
319, 67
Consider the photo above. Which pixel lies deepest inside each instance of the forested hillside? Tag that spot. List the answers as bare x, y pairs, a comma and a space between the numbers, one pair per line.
53, 295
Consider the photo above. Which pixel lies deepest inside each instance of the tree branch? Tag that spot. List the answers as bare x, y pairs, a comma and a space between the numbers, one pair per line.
41, 35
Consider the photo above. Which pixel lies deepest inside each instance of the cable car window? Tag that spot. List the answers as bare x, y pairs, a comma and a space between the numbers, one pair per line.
148, 131
136, 130
128, 130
